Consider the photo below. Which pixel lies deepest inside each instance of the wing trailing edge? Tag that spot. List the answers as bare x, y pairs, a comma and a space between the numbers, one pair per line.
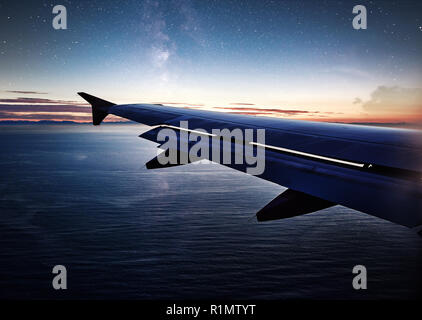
292, 203
156, 164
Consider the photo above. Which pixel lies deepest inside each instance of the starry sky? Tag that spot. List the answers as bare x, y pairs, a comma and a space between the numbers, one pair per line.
290, 59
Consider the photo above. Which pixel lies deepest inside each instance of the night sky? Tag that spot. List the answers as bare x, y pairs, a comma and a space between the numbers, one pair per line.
296, 59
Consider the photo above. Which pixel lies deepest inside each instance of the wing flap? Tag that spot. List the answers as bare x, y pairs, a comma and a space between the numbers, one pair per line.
291, 203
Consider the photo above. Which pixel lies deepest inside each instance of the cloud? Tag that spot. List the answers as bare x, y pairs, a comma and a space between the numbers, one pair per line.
357, 101
37, 117
266, 110
40, 100
25, 92
395, 100
180, 103
241, 104
43, 108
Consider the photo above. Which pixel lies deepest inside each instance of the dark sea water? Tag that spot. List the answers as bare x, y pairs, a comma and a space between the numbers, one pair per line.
81, 197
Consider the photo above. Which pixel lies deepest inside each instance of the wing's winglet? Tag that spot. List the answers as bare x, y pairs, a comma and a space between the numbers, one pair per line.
99, 107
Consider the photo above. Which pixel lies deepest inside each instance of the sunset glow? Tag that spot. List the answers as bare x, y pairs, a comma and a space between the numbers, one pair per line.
295, 61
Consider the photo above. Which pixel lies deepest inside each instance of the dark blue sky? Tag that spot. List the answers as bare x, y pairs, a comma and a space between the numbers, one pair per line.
296, 54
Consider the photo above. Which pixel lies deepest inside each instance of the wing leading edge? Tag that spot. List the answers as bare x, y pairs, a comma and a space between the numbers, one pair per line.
314, 160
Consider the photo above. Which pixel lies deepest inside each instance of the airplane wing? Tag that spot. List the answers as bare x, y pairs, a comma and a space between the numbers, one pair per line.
370, 169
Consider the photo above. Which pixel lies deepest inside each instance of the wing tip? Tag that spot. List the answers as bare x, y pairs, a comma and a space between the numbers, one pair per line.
99, 107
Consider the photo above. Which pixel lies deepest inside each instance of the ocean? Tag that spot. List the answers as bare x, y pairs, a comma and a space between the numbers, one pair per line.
80, 196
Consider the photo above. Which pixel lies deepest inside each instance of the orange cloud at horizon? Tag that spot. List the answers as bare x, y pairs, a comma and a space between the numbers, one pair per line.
386, 105
85, 117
